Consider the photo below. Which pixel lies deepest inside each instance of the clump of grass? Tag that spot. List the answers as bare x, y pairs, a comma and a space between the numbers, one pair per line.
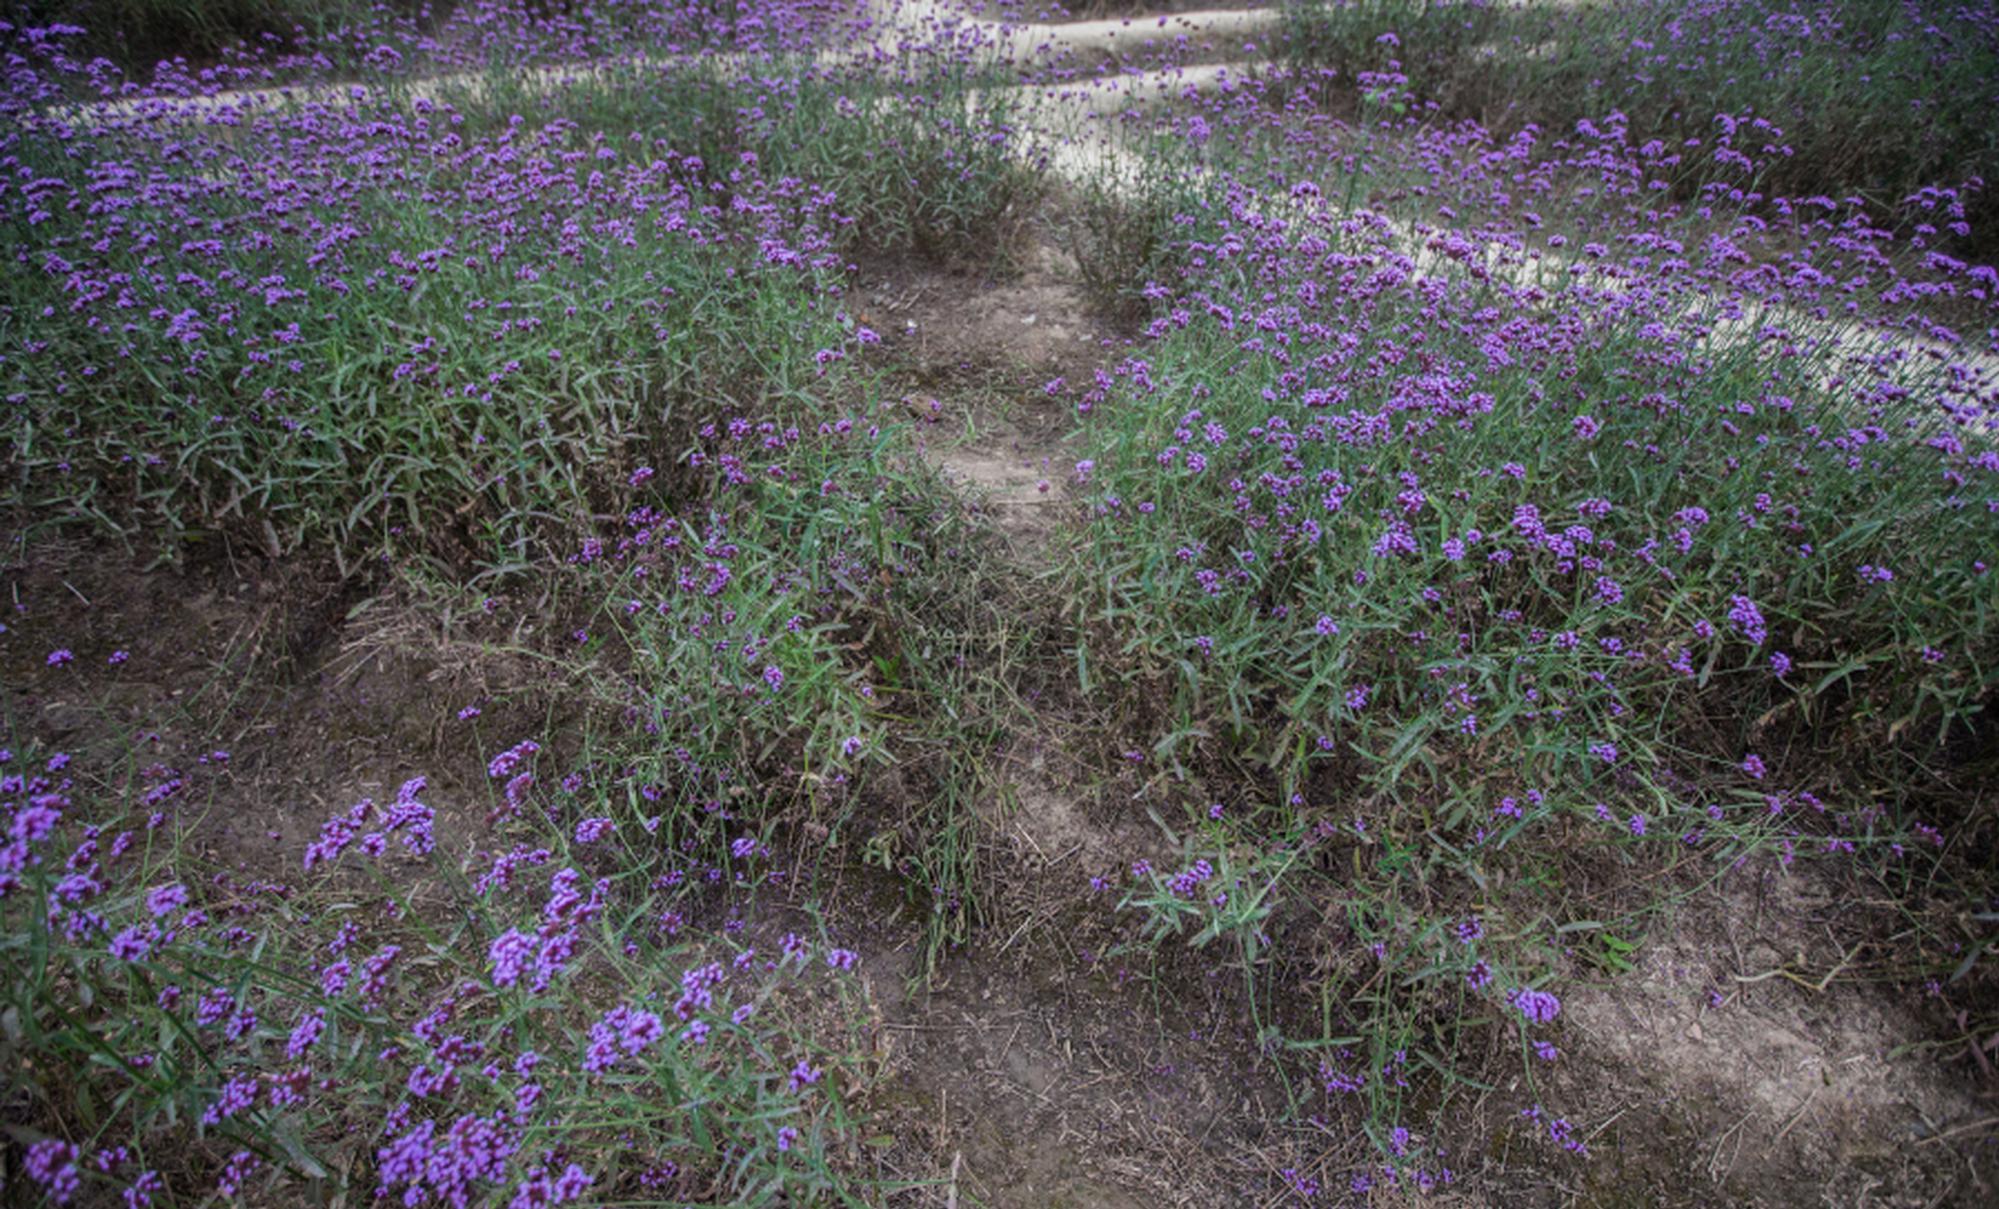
801, 646
1125, 248
930, 161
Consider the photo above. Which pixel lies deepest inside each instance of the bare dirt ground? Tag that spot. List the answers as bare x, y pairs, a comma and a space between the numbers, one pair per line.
1735, 1036
1048, 1074
992, 366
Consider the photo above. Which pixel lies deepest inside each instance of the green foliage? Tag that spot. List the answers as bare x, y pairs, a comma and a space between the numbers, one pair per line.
136, 34
1877, 99
265, 1027
1341, 617
402, 383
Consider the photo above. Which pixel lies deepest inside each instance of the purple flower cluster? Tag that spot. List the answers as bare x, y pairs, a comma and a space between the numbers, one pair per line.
407, 818
456, 1168
623, 1031
1538, 1007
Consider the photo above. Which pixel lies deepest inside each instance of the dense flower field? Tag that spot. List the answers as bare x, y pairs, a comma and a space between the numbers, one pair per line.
1548, 468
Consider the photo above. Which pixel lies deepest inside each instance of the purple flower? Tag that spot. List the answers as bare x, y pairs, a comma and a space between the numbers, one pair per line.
1752, 764
305, 1034
51, 1163
1185, 883
841, 959
216, 1005
60, 656
450, 1169
36, 822
504, 764
539, 1190
510, 955
1743, 614
1539, 1007
139, 1195
238, 1094
133, 943
803, 1076
165, 899
333, 979
639, 1030
242, 1165
621, 1030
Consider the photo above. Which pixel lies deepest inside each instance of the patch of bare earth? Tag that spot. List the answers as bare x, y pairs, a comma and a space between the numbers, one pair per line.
991, 367
256, 689
1749, 1058
1046, 1085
